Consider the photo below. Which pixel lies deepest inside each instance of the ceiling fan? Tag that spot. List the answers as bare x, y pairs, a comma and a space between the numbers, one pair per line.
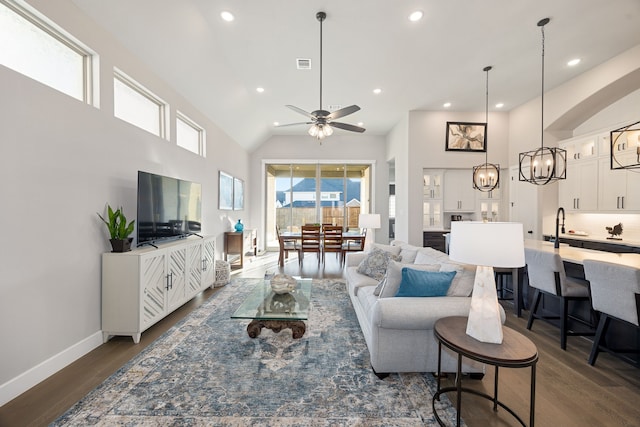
322, 121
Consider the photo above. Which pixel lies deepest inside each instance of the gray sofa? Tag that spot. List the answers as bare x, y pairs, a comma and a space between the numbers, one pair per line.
399, 330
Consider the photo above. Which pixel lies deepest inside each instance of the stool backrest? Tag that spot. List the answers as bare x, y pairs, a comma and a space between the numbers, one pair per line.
542, 268
614, 289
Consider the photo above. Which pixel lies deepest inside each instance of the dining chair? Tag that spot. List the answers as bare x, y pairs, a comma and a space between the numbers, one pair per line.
615, 294
548, 277
332, 241
287, 244
353, 244
310, 242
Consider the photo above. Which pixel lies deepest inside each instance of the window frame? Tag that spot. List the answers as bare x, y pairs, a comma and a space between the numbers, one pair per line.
163, 106
202, 135
90, 59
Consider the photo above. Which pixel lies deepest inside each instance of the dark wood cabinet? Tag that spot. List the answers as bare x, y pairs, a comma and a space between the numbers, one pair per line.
434, 239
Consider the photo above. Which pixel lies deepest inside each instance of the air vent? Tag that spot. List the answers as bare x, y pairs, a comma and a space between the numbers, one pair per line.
334, 107
303, 64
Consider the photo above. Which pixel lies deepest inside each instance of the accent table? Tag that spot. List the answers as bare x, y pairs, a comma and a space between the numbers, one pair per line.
516, 351
266, 309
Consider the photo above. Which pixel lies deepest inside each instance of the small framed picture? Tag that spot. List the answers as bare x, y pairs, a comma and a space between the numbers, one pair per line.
238, 194
464, 136
225, 191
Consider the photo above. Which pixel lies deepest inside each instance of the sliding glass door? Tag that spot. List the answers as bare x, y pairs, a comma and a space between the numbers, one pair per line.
303, 193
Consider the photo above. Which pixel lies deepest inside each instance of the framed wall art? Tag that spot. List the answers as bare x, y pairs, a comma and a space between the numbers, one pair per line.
238, 194
464, 136
225, 191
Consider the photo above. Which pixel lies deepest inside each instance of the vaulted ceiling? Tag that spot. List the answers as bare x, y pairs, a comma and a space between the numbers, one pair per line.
218, 65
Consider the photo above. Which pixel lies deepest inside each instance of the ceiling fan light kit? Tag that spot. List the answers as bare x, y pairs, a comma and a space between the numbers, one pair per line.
486, 177
545, 164
322, 121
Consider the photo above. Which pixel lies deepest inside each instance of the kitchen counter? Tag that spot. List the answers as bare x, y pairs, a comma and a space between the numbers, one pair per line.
602, 243
578, 255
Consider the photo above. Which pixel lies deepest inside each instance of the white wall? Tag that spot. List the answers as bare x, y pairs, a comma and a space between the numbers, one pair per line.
60, 162
341, 146
426, 149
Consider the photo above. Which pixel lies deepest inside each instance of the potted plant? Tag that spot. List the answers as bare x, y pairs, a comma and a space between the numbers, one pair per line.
119, 230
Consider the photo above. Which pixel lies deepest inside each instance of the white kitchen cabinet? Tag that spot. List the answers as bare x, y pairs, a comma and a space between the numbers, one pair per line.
582, 148
579, 192
618, 189
459, 195
432, 183
432, 214
142, 286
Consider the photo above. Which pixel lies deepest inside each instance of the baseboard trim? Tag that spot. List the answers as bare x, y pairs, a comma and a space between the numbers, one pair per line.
23, 382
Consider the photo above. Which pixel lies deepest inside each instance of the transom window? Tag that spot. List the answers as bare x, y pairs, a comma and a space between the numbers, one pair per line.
190, 135
137, 105
35, 47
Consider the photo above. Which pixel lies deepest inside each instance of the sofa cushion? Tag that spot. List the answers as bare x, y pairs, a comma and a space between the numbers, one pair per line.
417, 283
393, 278
393, 250
375, 263
462, 284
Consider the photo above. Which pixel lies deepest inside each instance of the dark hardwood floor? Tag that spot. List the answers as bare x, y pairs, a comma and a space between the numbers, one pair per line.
569, 392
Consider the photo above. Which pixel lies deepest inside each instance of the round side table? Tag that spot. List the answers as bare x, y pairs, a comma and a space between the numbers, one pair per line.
516, 351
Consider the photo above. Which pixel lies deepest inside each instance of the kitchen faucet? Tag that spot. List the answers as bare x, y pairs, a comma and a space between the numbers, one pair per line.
556, 244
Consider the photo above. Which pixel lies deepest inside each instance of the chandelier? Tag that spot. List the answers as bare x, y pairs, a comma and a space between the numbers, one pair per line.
545, 164
486, 177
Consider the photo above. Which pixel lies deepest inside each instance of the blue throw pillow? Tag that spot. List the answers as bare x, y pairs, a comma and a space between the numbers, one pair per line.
417, 283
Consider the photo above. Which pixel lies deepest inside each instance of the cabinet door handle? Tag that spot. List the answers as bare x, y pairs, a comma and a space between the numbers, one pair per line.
622, 202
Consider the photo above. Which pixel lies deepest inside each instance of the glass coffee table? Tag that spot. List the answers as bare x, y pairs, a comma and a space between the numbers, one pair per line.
266, 309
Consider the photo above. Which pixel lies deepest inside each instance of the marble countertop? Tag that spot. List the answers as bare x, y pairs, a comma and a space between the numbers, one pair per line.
578, 255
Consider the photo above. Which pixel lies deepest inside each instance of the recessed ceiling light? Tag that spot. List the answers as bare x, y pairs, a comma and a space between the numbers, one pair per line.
573, 62
499, 105
227, 16
446, 105
276, 123
377, 91
360, 124
259, 89
416, 16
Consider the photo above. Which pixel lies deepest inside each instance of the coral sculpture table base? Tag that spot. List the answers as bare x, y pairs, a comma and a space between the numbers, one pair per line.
297, 327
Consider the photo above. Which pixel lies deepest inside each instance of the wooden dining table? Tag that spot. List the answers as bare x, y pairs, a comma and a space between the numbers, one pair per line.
297, 236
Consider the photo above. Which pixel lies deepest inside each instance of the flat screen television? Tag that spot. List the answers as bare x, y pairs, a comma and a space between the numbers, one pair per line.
168, 208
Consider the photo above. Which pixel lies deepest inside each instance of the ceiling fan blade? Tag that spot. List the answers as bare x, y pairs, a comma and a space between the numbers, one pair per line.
295, 124
343, 112
301, 111
347, 126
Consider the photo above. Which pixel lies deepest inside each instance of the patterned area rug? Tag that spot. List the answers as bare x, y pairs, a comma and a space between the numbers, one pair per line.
206, 371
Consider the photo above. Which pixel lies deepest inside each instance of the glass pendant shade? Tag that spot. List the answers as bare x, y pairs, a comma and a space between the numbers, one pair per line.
625, 147
486, 177
543, 166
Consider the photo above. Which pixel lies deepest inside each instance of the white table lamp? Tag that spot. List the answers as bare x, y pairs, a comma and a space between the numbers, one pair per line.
366, 221
487, 245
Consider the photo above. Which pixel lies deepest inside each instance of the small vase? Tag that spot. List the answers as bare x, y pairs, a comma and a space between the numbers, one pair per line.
239, 227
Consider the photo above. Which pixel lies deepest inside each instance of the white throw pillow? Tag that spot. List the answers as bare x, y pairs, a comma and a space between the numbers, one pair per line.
462, 284
407, 255
393, 278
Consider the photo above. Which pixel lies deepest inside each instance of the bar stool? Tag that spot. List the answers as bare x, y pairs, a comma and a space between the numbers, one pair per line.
548, 277
615, 294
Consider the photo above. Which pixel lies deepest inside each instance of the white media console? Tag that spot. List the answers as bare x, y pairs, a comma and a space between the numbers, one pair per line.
142, 286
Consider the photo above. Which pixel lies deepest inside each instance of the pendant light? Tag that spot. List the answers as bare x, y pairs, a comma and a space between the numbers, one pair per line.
545, 164
486, 177
625, 147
